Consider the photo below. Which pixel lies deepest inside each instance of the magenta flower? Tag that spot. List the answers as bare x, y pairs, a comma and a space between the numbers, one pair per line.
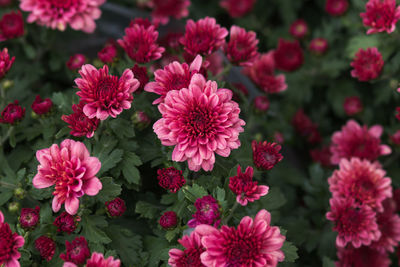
9, 244
242, 47
190, 256
199, 121
163, 9
381, 15
71, 169
98, 260
207, 212
104, 94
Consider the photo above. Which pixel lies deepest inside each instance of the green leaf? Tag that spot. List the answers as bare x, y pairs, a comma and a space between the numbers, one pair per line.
41, 194
273, 200
290, 252
158, 249
109, 161
62, 132
194, 192
91, 225
107, 154
130, 172
109, 191
361, 41
122, 128
219, 194
146, 210
170, 235
327, 262
5, 196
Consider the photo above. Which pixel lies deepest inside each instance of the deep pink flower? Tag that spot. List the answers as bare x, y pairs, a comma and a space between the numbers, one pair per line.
242, 46
395, 138
203, 36
116, 207
322, 156
336, 7
245, 189
98, 260
252, 243
41, 106
215, 64
163, 9
355, 224
352, 105
76, 61
79, 123
381, 15
29, 218
71, 169
361, 180
237, 8
65, 222
170, 179
140, 43
365, 256
318, 46
169, 220
261, 103
12, 113
5, 62
78, 14
190, 256
140, 119
266, 155
367, 64
46, 247
357, 141
140, 74
108, 53
305, 127
199, 121
207, 212
288, 55
145, 22
11, 26
76, 251
174, 76
9, 244
298, 29
103, 94
4, 3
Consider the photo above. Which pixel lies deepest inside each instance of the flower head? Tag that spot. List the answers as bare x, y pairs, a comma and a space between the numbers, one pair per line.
76, 61
266, 155
12, 113
78, 14
261, 103
140, 119
318, 46
352, 105
242, 46
237, 8
367, 64
190, 256
79, 123
252, 243
355, 224
5, 62
357, 141
362, 181
395, 138
305, 127
41, 106
29, 218
203, 37
174, 76
46, 247
4, 3
169, 220
381, 15
103, 94
298, 29
140, 73
65, 222
289, 55
207, 212
140, 43
362, 257
77, 251
163, 9
245, 189
9, 244
11, 26
170, 179
116, 207
336, 7
108, 53
98, 260
71, 169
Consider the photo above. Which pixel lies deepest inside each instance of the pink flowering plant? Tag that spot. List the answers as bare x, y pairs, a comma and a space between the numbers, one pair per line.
199, 133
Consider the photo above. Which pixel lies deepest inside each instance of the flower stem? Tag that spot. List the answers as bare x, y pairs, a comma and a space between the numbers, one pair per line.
234, 207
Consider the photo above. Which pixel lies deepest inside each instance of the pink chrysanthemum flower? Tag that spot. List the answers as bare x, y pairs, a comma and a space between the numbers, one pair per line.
203, 37
71, 169
361, 180
29, 218
163, 9
242, 46
367, 64
365, 256
298, 29
355, 224
395, 138
66, 223
199, 121
78, 14
306, 127
352, 105
174, 76
190, 256
76, 61
11, 26
98, 260
41, 106
46, 247
252, 243
170, 179
261, 103
336, 7
207, 212
79, 123
76, 251
103, 94
318, 46
357, 141
5, 62
288, 55
169, 220
9, 244
108, 53
266, 155
381, 15
237, 8
12, 113
116, 207
140, 43
245, 189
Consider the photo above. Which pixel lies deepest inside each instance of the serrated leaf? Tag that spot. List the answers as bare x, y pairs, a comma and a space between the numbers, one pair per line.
109, 191
41, 194
146, 210
194, 192
122, 128
170, 235
111, 160
273, 200
219, 194
130, 172
290, 251
361, 41
5, 196
91, 225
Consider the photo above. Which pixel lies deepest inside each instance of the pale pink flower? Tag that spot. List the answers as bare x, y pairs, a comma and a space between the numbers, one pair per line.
71, 169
